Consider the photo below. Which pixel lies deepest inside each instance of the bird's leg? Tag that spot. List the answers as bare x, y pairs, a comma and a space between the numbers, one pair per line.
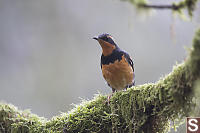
113, 90
108, 99
129, 86
125, 89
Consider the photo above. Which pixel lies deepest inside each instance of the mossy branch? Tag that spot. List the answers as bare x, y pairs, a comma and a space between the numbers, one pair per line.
185, 4
145, 108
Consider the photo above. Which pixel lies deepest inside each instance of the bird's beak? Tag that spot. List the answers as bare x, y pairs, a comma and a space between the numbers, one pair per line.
95, 38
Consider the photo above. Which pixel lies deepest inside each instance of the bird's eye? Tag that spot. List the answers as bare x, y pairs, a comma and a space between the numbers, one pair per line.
106, 39
109, 39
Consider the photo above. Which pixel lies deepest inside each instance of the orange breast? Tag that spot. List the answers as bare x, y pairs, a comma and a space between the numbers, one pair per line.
118, 74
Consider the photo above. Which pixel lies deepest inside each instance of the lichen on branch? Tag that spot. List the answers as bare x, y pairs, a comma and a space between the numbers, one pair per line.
144, 108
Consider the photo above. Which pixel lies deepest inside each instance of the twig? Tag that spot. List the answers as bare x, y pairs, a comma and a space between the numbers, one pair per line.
173, 6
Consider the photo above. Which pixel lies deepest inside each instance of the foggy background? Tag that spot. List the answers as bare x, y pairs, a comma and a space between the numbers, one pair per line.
48, 59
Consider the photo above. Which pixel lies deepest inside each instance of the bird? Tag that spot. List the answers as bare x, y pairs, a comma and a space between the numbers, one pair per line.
116, 65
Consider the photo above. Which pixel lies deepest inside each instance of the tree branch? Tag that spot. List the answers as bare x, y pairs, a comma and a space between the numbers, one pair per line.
172, 7
184, 4
144, 108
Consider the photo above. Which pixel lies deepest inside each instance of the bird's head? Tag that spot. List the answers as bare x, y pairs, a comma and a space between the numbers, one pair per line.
107, 43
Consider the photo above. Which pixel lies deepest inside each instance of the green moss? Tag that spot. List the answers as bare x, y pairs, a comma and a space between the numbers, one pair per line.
14, 121
144, 108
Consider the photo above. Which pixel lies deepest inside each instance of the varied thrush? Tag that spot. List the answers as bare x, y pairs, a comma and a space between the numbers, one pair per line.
116, 65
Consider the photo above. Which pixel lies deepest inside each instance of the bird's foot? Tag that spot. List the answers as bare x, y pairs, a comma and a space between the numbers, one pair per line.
109, 96
108, 99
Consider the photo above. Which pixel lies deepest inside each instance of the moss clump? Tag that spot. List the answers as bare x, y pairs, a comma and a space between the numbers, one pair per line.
91, 116
13, 120
145, 108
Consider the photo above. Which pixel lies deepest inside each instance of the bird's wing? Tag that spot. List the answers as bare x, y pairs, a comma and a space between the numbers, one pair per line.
130, 61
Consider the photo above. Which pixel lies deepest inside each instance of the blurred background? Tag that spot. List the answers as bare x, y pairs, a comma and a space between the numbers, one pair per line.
48, 59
